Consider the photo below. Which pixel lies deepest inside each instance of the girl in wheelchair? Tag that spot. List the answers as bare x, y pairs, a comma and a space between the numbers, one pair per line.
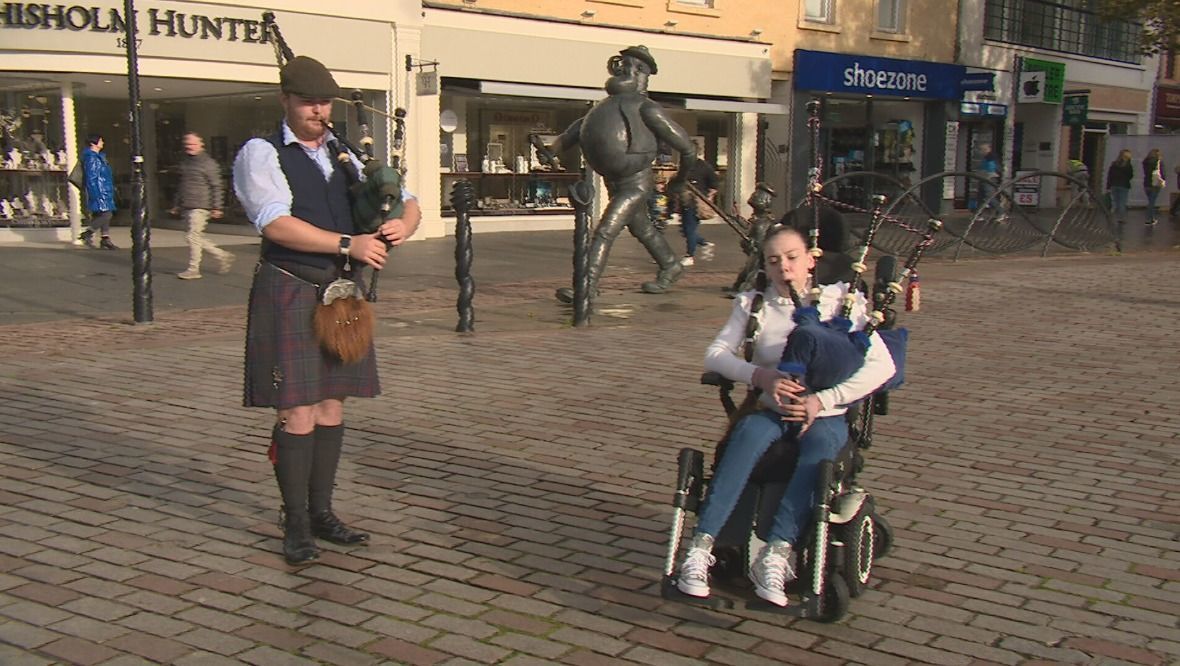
784, 409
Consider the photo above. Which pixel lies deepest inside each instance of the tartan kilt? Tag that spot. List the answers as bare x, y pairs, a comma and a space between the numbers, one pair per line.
285, 366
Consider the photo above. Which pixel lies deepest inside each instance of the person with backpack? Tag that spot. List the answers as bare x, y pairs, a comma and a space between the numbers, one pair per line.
1153, 181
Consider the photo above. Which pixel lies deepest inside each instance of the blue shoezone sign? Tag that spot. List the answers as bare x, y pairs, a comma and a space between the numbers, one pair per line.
869, 75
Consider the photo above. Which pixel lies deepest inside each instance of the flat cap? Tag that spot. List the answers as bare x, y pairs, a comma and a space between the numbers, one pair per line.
307, 77
640, 53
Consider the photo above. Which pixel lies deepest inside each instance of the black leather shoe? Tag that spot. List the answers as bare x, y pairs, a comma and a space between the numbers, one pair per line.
298, 546
325, 525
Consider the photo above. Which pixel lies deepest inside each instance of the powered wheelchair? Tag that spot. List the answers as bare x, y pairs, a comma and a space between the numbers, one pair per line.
846, 534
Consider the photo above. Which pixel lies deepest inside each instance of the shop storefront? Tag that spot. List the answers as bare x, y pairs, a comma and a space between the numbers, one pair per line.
206, 67
505, 78
978, 131
883, 115
1166, 116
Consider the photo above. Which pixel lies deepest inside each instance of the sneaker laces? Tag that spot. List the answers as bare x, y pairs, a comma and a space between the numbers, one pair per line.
776, 568
697, 563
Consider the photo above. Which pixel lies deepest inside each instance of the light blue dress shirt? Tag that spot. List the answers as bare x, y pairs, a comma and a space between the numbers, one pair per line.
259, 181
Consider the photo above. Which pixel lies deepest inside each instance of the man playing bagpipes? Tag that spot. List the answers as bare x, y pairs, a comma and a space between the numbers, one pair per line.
786, 406
309, 335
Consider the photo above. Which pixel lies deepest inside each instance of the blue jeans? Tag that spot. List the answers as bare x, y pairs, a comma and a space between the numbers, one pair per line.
1118, 201
985, 192
689, 223
750, 438
1152, 193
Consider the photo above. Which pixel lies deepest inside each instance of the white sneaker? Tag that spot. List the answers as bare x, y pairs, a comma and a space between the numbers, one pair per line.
190, 274
694, 570
772, 570
707, 251
687, 261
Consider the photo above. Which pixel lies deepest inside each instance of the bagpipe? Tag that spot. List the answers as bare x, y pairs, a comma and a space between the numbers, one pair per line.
822, 354
343, 321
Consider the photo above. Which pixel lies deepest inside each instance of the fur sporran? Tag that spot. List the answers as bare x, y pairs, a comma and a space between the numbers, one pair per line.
344, 322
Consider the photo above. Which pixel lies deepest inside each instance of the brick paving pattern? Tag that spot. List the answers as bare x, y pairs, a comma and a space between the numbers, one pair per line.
517, 481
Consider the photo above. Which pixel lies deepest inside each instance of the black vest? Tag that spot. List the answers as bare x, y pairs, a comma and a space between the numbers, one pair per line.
324, 203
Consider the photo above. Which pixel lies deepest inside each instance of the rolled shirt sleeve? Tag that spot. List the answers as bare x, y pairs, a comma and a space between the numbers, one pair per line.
260, 184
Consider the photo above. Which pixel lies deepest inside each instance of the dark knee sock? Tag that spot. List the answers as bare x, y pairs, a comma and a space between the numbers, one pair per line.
326, 458
293, 465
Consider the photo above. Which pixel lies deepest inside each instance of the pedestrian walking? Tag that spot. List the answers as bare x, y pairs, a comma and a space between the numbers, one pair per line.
199, 196
1119, 175
704, 178
296, 193
989, 169
100, 193
1153, 181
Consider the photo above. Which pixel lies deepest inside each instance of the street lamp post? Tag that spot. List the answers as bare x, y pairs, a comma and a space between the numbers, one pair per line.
141, 232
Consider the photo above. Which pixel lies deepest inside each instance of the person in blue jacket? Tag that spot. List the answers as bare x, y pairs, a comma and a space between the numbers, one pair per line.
100, 193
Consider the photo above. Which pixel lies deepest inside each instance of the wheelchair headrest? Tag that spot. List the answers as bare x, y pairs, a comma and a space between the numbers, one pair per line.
833, 230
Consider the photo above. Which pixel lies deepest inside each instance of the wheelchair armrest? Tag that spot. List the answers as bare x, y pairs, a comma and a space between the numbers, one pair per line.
717, 379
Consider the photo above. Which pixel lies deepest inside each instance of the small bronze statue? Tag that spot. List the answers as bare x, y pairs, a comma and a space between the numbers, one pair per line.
619, 138
760, 222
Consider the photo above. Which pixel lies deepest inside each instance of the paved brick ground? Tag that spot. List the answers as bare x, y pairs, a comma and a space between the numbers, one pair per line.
516, 483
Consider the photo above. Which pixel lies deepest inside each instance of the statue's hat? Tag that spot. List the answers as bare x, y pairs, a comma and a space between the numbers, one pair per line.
641, 53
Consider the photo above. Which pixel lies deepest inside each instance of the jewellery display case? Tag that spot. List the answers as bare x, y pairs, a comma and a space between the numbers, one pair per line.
33, 166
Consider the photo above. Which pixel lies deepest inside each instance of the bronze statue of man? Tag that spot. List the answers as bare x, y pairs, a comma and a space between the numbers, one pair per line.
619, 138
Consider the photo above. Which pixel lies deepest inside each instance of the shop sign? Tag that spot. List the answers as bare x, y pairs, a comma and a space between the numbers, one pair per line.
1053, 86
838, 72
1026, 192
983, 109
190, 32
155, 22
426, 83
1167, 103
1074, 109
1032, 87
950, 157
982, 81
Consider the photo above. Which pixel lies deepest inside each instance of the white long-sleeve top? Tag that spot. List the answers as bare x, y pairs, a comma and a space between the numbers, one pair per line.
724, 353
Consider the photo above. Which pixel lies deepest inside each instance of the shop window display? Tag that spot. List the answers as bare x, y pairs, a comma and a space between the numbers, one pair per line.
33, 163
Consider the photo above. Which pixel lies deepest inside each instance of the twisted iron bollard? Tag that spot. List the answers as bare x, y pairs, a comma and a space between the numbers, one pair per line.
462, 199
581, 194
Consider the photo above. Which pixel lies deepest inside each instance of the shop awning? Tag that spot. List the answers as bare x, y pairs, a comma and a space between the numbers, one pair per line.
487, 46
546, 92
770, 108
595, 94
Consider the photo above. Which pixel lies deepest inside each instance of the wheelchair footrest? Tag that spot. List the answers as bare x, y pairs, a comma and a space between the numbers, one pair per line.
669, 591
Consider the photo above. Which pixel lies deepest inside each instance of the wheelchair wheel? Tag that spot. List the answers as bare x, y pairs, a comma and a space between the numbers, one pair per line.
834, 603
859, 537
882, 535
